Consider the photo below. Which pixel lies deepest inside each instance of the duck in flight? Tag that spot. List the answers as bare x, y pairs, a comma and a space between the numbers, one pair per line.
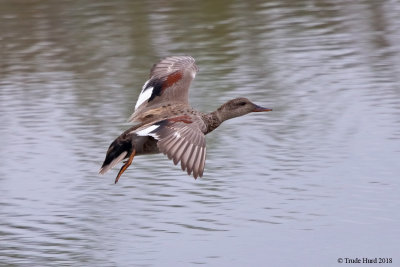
165, 122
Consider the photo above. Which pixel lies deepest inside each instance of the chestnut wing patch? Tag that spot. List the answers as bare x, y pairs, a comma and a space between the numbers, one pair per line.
182, 141
169, 83
156, 86
160, 84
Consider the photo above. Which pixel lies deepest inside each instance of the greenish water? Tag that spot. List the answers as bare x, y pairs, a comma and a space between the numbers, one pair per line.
315, 180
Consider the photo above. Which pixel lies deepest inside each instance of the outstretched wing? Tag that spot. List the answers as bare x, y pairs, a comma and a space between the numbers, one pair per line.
181, 140
168, 84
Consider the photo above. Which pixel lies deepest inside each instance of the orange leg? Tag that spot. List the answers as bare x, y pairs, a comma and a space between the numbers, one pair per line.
126, 165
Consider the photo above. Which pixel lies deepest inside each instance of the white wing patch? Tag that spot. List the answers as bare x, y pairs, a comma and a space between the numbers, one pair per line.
193, 74
177, 135
144, 95
146, 131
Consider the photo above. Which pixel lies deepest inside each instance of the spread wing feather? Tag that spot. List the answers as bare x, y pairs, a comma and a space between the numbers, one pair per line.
182, 141
169, 83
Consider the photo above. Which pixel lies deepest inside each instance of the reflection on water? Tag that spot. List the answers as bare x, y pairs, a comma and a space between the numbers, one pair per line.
321, 169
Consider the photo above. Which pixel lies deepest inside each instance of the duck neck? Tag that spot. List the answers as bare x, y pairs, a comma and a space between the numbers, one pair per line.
214, 119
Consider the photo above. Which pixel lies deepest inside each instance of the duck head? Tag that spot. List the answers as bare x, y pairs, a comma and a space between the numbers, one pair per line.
238, 107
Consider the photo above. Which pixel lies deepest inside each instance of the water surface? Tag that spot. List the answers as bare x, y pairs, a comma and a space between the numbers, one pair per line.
315, 180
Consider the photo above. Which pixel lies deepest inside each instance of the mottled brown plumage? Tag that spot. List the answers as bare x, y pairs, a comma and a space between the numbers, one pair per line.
166, 123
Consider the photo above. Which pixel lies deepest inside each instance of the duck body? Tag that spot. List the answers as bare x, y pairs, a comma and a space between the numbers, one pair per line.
166, 123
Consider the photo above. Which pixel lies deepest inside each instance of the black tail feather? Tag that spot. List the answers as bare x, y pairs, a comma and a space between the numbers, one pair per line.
120, 149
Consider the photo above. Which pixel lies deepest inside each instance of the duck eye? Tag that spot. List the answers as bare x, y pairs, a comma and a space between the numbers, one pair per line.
242, 103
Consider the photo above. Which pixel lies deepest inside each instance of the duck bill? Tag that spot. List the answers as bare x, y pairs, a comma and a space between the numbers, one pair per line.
261, 109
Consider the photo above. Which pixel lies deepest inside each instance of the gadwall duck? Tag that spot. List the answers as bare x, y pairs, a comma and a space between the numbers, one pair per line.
166, 123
